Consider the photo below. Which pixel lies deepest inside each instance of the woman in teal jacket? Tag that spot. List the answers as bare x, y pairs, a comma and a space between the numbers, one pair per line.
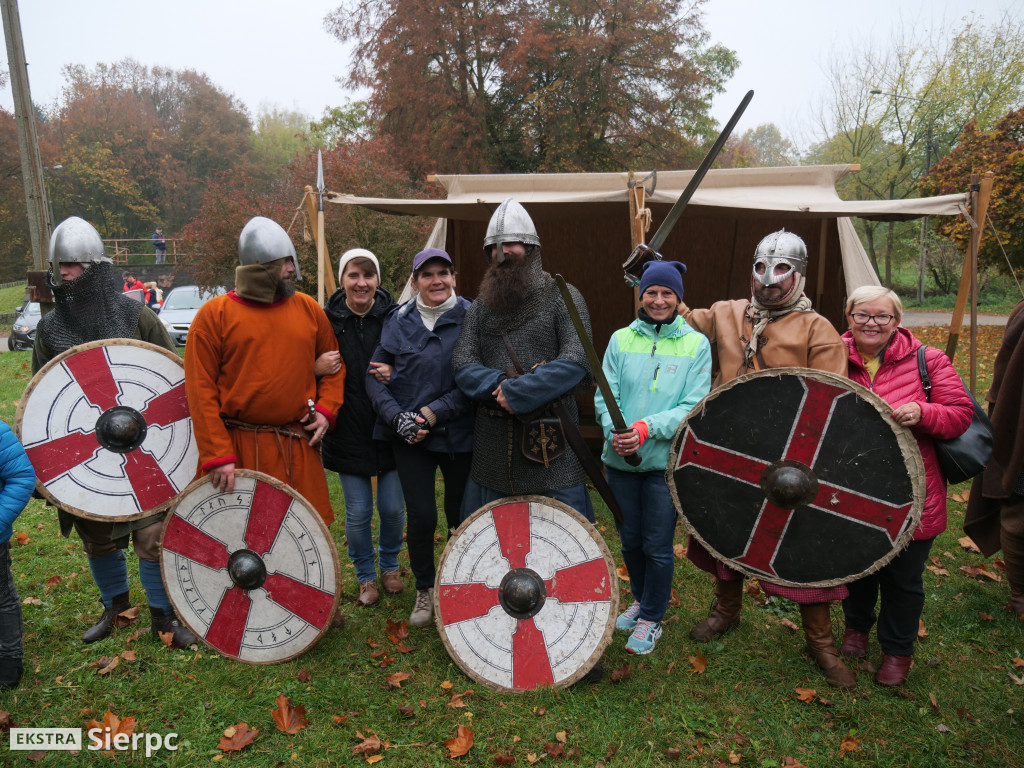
658, 369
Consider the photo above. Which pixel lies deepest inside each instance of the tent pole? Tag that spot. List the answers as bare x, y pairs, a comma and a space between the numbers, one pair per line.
980, 195
819, 291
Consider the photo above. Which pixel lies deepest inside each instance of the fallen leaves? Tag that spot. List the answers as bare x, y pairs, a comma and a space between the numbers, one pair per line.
622, 573
849, 744
105, 664
460, 744
289, 718
967, 543
790, 625
22, 538
113, 725
699, 662
368, 746
806, 695
457, 701
975, 571
395, 679
623, 673
679, 550
31, 601
237, 737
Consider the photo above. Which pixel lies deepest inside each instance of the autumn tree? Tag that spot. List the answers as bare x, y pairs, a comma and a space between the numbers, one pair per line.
760, 147
507, 85
15, 245
898, 109
361, 167
1000, 150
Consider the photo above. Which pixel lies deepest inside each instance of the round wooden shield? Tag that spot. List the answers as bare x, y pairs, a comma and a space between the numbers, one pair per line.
526, 594
797, 477
254, 572
107, 428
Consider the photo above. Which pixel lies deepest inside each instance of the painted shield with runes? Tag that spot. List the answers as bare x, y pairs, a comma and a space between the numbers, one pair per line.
253, 572
797, 477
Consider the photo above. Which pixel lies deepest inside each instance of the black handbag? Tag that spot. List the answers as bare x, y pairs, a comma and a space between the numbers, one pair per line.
961, 458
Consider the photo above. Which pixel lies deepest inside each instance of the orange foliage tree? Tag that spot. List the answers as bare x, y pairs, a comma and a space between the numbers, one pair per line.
1001, 151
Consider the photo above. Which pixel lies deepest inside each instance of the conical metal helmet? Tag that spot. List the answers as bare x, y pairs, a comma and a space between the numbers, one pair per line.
264, 240
780, 247
76, 240
510, 223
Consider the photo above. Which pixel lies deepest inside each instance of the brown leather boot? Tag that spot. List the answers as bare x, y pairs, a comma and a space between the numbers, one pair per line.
817, 621
725, 613
1016, 603
392, 581
166, 621
105, 623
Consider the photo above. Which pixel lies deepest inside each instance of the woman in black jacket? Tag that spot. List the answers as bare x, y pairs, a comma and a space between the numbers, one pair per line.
357, 311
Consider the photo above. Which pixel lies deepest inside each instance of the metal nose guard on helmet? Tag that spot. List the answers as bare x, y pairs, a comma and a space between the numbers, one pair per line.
510, 223
264, 240
76, 240
780, 247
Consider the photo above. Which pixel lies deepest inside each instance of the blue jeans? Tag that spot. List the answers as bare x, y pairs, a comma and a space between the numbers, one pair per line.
647, 530
10, 608
358, 494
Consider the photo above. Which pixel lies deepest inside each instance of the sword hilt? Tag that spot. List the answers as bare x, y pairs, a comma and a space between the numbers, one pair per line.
634, 458
633, 267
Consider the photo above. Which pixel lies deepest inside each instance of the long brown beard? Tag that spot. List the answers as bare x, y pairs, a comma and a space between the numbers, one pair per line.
505, 286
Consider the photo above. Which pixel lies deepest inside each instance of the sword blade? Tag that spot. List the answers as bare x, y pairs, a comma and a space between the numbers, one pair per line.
320, 178
618, 422
705, 165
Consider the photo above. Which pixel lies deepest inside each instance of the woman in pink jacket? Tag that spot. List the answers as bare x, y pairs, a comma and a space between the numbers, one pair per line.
883, 357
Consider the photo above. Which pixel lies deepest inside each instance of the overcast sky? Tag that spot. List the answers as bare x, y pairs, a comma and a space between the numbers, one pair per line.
276, 52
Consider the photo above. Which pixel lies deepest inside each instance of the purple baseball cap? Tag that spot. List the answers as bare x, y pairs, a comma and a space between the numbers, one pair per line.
423, 257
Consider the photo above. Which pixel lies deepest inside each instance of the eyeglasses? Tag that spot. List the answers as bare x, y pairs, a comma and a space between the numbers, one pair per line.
862, 318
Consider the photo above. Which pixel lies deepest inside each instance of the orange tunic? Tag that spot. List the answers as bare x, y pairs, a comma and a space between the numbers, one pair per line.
254, 363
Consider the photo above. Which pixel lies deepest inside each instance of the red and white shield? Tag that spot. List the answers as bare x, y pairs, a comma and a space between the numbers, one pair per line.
526, 594
106, 426
797, 477
254, 572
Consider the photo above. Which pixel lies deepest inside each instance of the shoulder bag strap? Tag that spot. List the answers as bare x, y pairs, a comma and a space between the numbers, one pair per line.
922, 368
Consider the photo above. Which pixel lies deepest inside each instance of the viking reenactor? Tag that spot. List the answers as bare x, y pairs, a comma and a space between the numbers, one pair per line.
87, 307
995, 513
520, 360
249, 372
777, 327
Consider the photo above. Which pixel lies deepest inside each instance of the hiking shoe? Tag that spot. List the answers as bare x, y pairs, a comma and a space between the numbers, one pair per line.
644, 637
368, 594
423, 611
392, 581
627, 619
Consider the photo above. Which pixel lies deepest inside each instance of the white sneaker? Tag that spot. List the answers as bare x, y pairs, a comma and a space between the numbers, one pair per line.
423, 611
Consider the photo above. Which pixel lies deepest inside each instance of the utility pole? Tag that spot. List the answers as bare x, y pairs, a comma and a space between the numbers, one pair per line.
39, 224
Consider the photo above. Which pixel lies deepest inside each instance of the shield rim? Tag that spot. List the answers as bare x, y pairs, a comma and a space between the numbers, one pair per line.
904, 439
310, 510
606, 553
30, 389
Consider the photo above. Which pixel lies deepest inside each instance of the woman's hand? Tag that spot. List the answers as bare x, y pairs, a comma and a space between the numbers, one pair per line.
327, 364
381, 372
626, 443
907, 415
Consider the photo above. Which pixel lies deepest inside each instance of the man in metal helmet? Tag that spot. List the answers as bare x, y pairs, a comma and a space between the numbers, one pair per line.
776, 327
249, 372
519, 358
88, 306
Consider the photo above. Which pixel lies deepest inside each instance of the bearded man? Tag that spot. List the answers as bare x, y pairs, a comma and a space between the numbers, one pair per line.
249, 372
87, 307
517, 357
775, 328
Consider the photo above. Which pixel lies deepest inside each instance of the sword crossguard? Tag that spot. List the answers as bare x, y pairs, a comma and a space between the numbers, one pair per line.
634, 265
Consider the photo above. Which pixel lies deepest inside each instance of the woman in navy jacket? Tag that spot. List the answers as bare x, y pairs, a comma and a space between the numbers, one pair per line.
423, 413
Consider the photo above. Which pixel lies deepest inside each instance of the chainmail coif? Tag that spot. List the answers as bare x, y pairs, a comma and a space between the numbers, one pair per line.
88, 308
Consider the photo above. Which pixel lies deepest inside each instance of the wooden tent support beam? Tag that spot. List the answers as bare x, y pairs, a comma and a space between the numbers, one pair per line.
325, 283
981, 193
819, 290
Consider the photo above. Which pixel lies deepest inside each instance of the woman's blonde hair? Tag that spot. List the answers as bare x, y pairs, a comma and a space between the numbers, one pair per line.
872, 292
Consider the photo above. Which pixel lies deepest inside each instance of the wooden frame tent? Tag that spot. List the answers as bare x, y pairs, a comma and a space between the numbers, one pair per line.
586, 227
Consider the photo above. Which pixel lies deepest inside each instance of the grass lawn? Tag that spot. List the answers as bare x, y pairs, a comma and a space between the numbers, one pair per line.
731, 702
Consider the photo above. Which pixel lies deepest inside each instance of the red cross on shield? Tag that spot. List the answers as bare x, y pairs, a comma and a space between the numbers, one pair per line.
797, 477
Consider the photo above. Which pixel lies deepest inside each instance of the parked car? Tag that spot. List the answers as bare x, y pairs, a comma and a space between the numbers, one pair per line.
180, 307
23, 333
